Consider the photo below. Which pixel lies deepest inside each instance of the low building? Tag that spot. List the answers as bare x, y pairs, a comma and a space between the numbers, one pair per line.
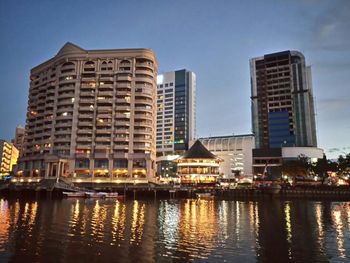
166, 166
198, 166
235, 150
18, 141
268, 162
8, 158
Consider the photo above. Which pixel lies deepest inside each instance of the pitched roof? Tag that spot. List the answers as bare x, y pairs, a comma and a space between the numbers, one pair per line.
70, 48
198, 151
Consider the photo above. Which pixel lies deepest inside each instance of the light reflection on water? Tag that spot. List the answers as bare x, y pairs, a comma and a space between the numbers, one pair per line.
83, 230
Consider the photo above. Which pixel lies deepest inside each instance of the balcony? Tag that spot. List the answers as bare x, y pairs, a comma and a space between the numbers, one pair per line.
68, 67
144, 101
142, 140
66, 81
121, 139
85, 124
103, 139
84, 139
105, 101
64, 102
103, 131
124, 78
143, 131
63, 132
84, 131
122, 108
86, 116
106, 78
121, 123
62, 140
104, 115
144, 109
120, 147
143, 124
105, 93
123, 93
145, 79
63, 124
87, 94
68, 117
122, 101
106, 87
87, 101
63, 95
122, 116
145, 72
123, 130
86, 108
145, 65
104, 109
143, 116
102, 147
83, 146
64, 109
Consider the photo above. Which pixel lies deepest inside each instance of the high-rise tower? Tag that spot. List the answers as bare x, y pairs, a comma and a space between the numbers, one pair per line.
176, 111
92, 113
282, 101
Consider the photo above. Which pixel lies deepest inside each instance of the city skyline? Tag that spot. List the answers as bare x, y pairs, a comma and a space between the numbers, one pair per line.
207, 38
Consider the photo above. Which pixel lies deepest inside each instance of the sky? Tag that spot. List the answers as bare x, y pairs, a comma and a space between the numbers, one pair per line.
214, 39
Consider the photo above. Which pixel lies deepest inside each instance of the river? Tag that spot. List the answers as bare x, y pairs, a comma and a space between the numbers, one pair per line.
177, 230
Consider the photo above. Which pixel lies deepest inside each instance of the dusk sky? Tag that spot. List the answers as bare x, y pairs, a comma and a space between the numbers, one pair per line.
215, 39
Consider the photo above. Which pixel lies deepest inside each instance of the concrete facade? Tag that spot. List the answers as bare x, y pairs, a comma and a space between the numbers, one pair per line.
235, 151
92, 113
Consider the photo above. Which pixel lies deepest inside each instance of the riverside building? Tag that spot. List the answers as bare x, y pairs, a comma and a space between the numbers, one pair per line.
198, 166
92, 113
236, 153
282, 105
8, 158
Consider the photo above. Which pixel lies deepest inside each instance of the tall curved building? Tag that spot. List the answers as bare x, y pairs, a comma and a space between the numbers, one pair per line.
92, 113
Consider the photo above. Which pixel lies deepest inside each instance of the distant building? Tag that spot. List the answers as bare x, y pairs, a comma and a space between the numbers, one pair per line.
198, 165
8, 158
283, 112
18, 141
176, 111
235, 151
92, 113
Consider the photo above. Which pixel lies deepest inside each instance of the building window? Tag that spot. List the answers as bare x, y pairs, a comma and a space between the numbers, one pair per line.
120, 163
82, 163
139, 163
101, 163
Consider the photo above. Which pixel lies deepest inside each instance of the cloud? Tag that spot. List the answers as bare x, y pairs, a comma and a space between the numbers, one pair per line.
333, 104
330, 28
342, 150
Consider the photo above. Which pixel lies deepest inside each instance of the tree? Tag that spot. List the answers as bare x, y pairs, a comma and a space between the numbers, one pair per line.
299, 167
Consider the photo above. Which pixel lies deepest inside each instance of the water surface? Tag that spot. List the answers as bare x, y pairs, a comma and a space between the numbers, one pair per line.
180, 230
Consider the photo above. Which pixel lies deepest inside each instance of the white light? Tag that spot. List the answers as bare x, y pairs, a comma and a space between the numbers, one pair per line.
160, 79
